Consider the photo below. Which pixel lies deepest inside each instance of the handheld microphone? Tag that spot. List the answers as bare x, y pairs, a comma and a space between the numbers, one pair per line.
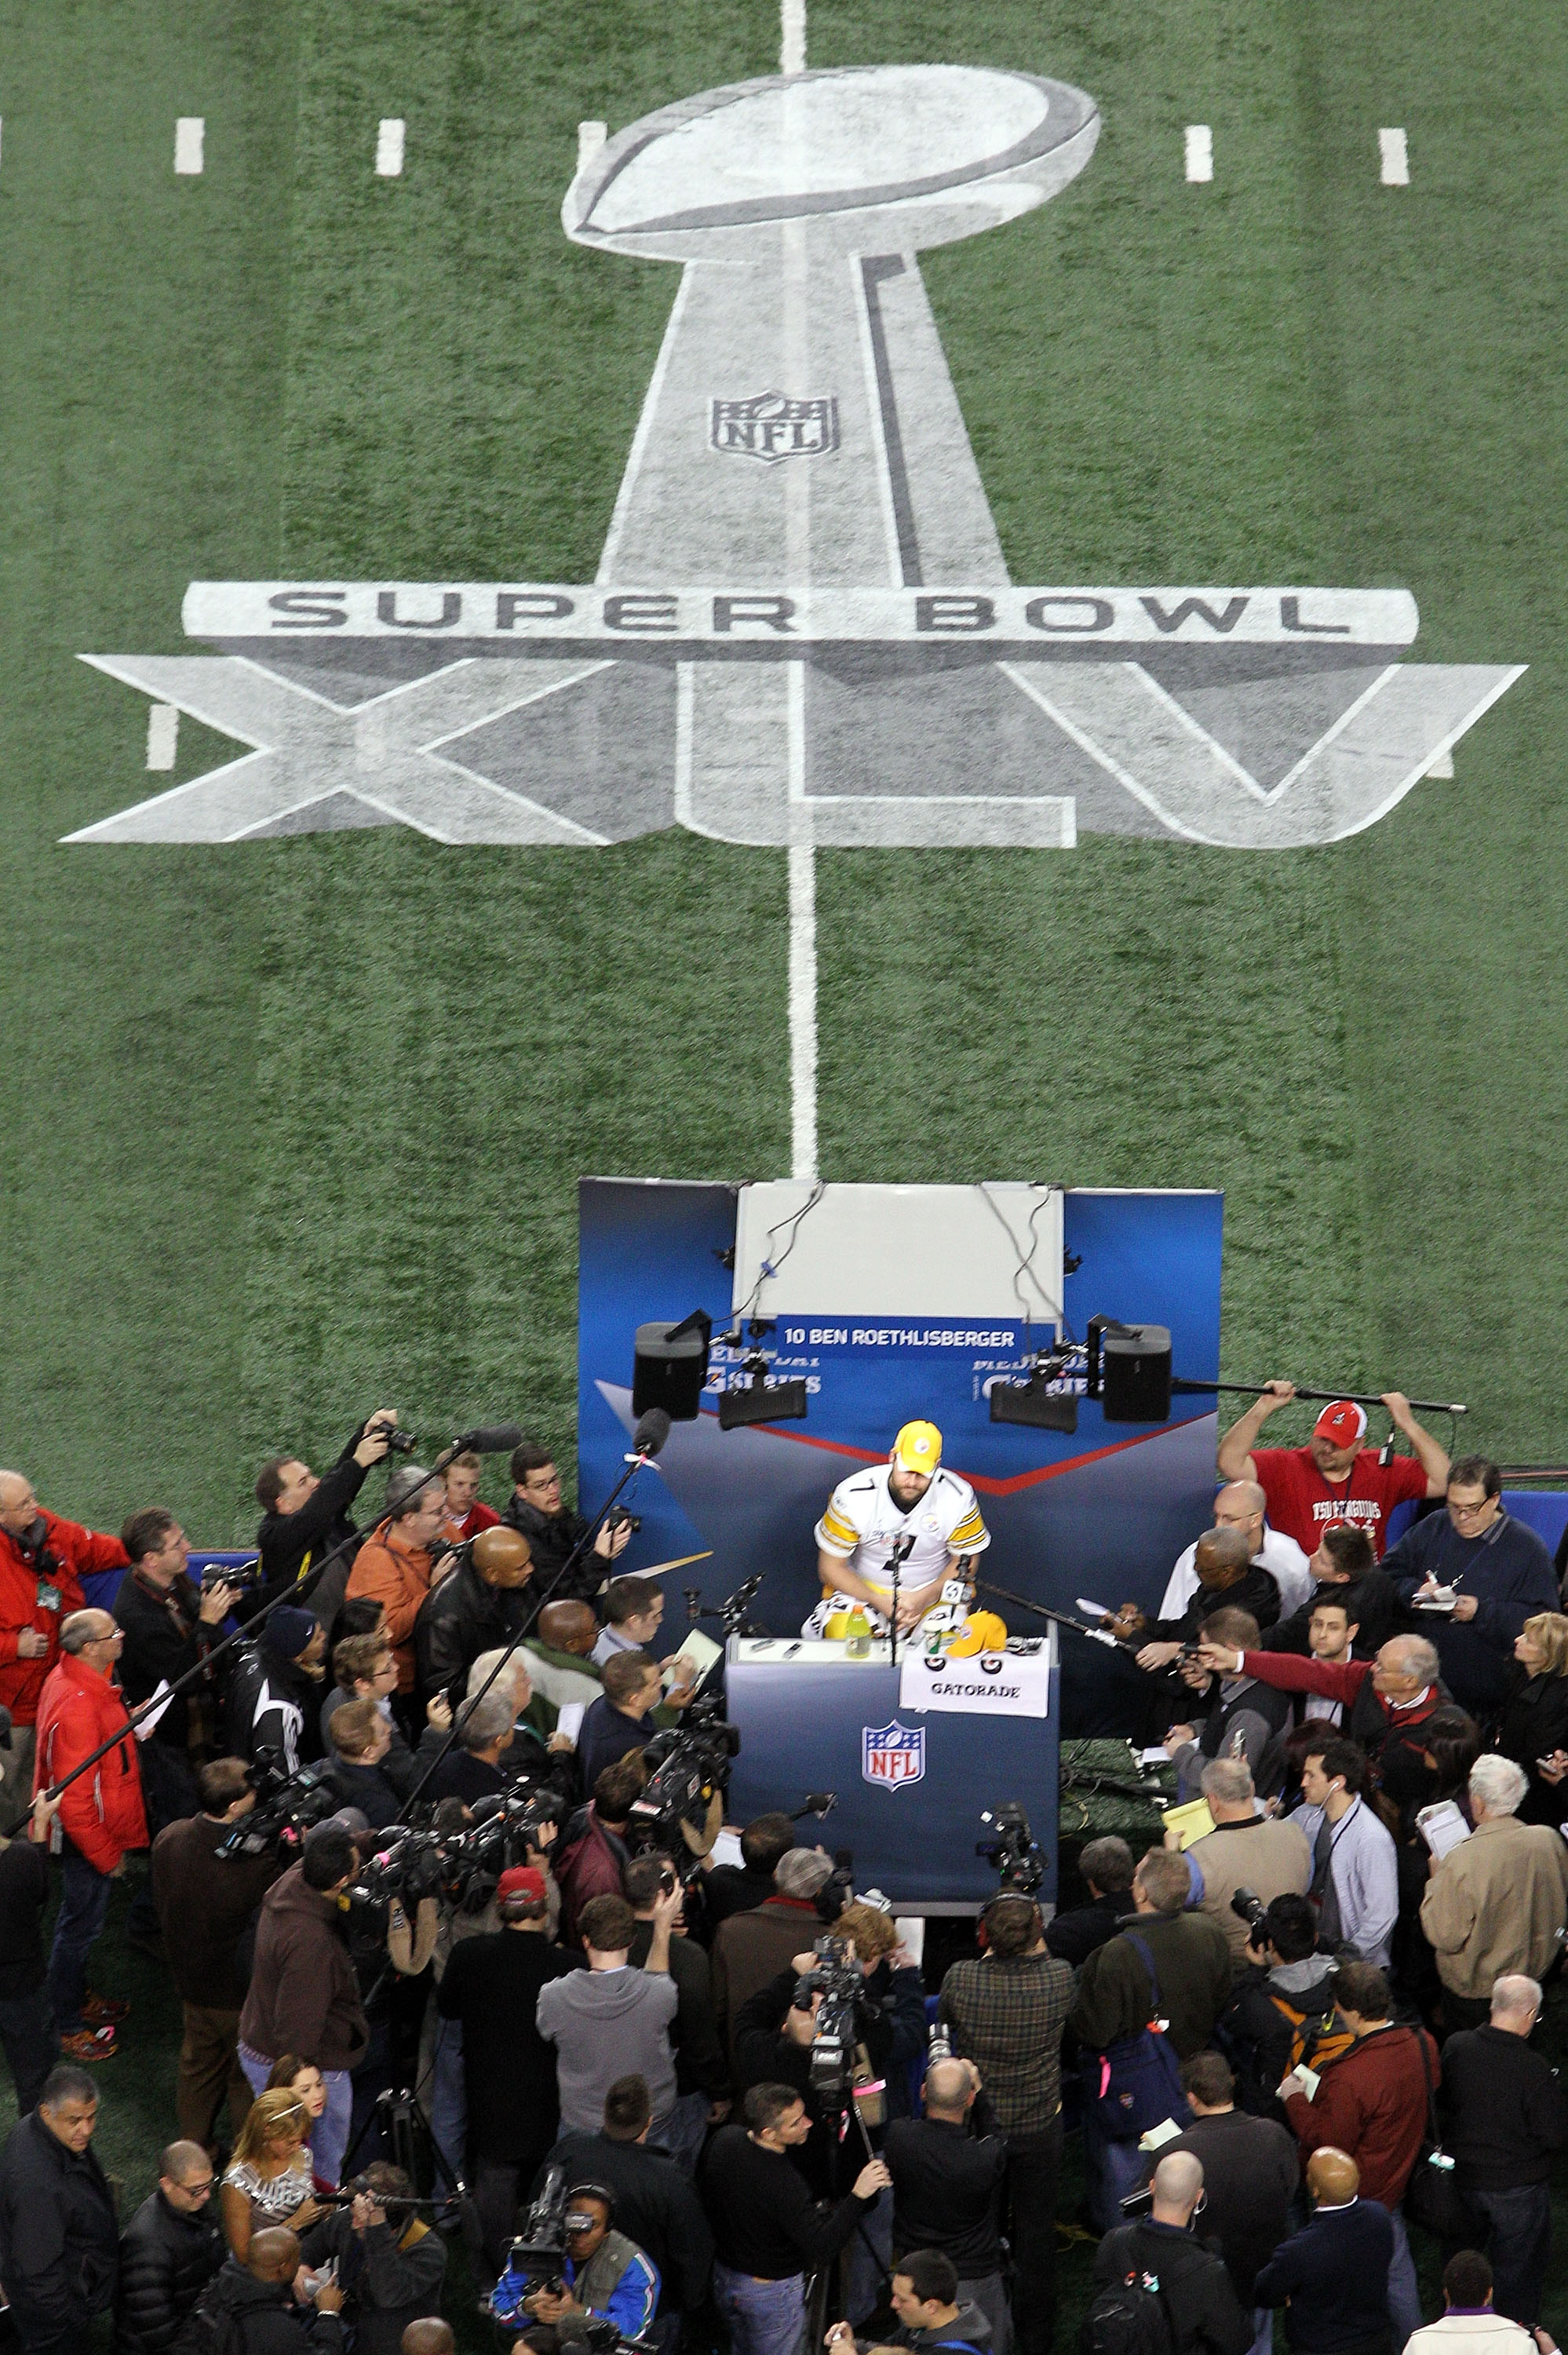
493, 1438
652, 1430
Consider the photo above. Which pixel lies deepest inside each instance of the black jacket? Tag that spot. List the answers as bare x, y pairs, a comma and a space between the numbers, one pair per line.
207, 1907
491, 1984
733, 1888
764, 2055
274, 1704
1377, 1613
656, 2205
463, 1617
764, 2220
167, 2260
322, 1522
261, 2318
1072, 1938
1199, 2300
1534, 1723
700, 2064
367, 1788
60, 2244
1255, 1590
387, 2284
1506, 2112
552, 1538
1250, 2173
1255, 2035
165, 1637
23, 1894
1334, 2274
946, 2186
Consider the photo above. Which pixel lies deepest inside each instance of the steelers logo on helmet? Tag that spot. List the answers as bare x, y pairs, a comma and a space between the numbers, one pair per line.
918, 1448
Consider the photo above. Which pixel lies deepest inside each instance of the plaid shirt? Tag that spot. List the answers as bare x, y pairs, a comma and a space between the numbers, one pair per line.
1008, 2017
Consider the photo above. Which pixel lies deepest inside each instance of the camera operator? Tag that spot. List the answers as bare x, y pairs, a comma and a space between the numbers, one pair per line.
490, 1986
275, 1689
654, 2198
254, 2306
610, 2020
366, 1670
390, 2272
947, 2188
702, 2076
767, 2230
553, 1531
749, 1949
604, 2274
43, 1560
168, 2254
1006, 2012
60, 2243
304, 1518
206, 1902
304, 1995
480, 1606
1282, 2007
402, 1561
170, 1626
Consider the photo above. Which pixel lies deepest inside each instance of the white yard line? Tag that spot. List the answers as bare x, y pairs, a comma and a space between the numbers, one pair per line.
1200, 151
793, 36
190, 137
802, 1009
163, 735
390, 137
1394, 158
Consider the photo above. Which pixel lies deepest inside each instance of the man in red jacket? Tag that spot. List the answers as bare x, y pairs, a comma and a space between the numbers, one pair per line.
100, 1816
42, 1561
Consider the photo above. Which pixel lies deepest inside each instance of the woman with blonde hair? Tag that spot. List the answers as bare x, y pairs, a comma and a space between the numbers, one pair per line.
1533, 1730
267, 2181
305, 2082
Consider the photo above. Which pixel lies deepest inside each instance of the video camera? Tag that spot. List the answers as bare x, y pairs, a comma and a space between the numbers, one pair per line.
688, 1769
838, 1979
1020, 1867
537, 2257
287, 1807
459, 1869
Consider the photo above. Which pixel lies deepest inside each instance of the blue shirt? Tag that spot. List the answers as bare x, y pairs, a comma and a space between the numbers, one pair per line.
1510, 1575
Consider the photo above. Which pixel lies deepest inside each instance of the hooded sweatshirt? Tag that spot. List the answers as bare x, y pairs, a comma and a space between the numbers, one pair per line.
605, 2025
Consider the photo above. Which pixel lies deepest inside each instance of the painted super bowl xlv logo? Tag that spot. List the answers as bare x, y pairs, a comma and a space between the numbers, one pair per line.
802, 628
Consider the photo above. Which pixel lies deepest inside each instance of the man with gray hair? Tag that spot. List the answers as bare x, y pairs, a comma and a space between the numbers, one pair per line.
473, 1767
1204, 2316
1498, 1904
1505, 2118
1247, 1849
749, 1949
1385, 1702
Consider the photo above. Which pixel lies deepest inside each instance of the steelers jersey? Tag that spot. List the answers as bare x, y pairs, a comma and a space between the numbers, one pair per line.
863, 1524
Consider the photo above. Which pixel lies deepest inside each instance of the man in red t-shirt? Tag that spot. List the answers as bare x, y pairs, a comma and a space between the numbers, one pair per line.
1333, 1478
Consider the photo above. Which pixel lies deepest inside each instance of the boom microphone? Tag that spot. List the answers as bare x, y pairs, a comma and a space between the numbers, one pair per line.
493, 1438
652, 1430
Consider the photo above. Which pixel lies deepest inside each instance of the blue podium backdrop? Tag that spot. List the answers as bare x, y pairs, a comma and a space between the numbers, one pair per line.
1102, 1512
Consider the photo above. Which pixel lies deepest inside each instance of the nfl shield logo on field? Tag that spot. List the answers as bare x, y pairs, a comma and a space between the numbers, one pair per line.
892, 1754
770, 427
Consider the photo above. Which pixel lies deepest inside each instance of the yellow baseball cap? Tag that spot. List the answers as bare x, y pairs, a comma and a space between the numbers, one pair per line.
918, 1447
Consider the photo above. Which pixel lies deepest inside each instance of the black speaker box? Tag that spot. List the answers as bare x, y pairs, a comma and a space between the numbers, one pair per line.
668, 1373
1136, 1375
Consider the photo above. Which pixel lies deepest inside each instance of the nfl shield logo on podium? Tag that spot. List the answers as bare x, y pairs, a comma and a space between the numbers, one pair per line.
892, 1754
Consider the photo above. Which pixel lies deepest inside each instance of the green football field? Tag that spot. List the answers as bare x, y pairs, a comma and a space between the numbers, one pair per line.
293, 1127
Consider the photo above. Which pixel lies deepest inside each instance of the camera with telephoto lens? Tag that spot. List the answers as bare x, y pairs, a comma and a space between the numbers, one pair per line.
837, 1977
244, 1577
688, 1769
287, 1807
1012, 1849
399, 1442
1249, 1905
618, 1518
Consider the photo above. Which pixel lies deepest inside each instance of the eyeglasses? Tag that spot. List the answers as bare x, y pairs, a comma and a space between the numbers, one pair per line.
1464, 1512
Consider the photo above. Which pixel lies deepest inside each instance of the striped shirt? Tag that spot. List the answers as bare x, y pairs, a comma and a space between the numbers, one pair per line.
864, 1522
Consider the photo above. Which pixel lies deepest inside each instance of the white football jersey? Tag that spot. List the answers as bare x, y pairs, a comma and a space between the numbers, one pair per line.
863, 1524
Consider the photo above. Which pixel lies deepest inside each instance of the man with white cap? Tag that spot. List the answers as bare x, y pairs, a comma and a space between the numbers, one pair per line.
909, 1505
1333, 1478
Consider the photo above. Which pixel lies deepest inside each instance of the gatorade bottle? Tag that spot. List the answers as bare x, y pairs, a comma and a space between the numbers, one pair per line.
857, 1644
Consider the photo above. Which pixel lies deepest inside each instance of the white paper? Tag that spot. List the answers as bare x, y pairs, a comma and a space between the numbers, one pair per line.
157, 1702
987, 1684
727, 1847
1092, 1610
1166, 2131
570, 1720
1156, 1756
911, 1929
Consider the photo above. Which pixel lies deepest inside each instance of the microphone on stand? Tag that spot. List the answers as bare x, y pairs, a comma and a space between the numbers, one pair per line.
652, 1430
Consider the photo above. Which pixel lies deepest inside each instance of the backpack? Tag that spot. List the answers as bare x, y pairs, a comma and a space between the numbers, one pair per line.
1136, 2082
210, 2327
1313, 2041
1129, 2318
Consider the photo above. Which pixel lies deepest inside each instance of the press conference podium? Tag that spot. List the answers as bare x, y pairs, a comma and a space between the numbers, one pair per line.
809, 1721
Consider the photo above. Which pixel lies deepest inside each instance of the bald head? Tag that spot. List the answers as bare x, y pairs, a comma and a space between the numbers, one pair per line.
1332, 2176
949, 2089
1176, 2185
1516, 2002
570, 1627
274, 2255
19, 1506
429, 2336
1223, 1556
1239, 1500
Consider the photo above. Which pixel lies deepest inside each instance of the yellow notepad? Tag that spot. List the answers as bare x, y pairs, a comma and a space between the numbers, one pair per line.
1189, 1823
